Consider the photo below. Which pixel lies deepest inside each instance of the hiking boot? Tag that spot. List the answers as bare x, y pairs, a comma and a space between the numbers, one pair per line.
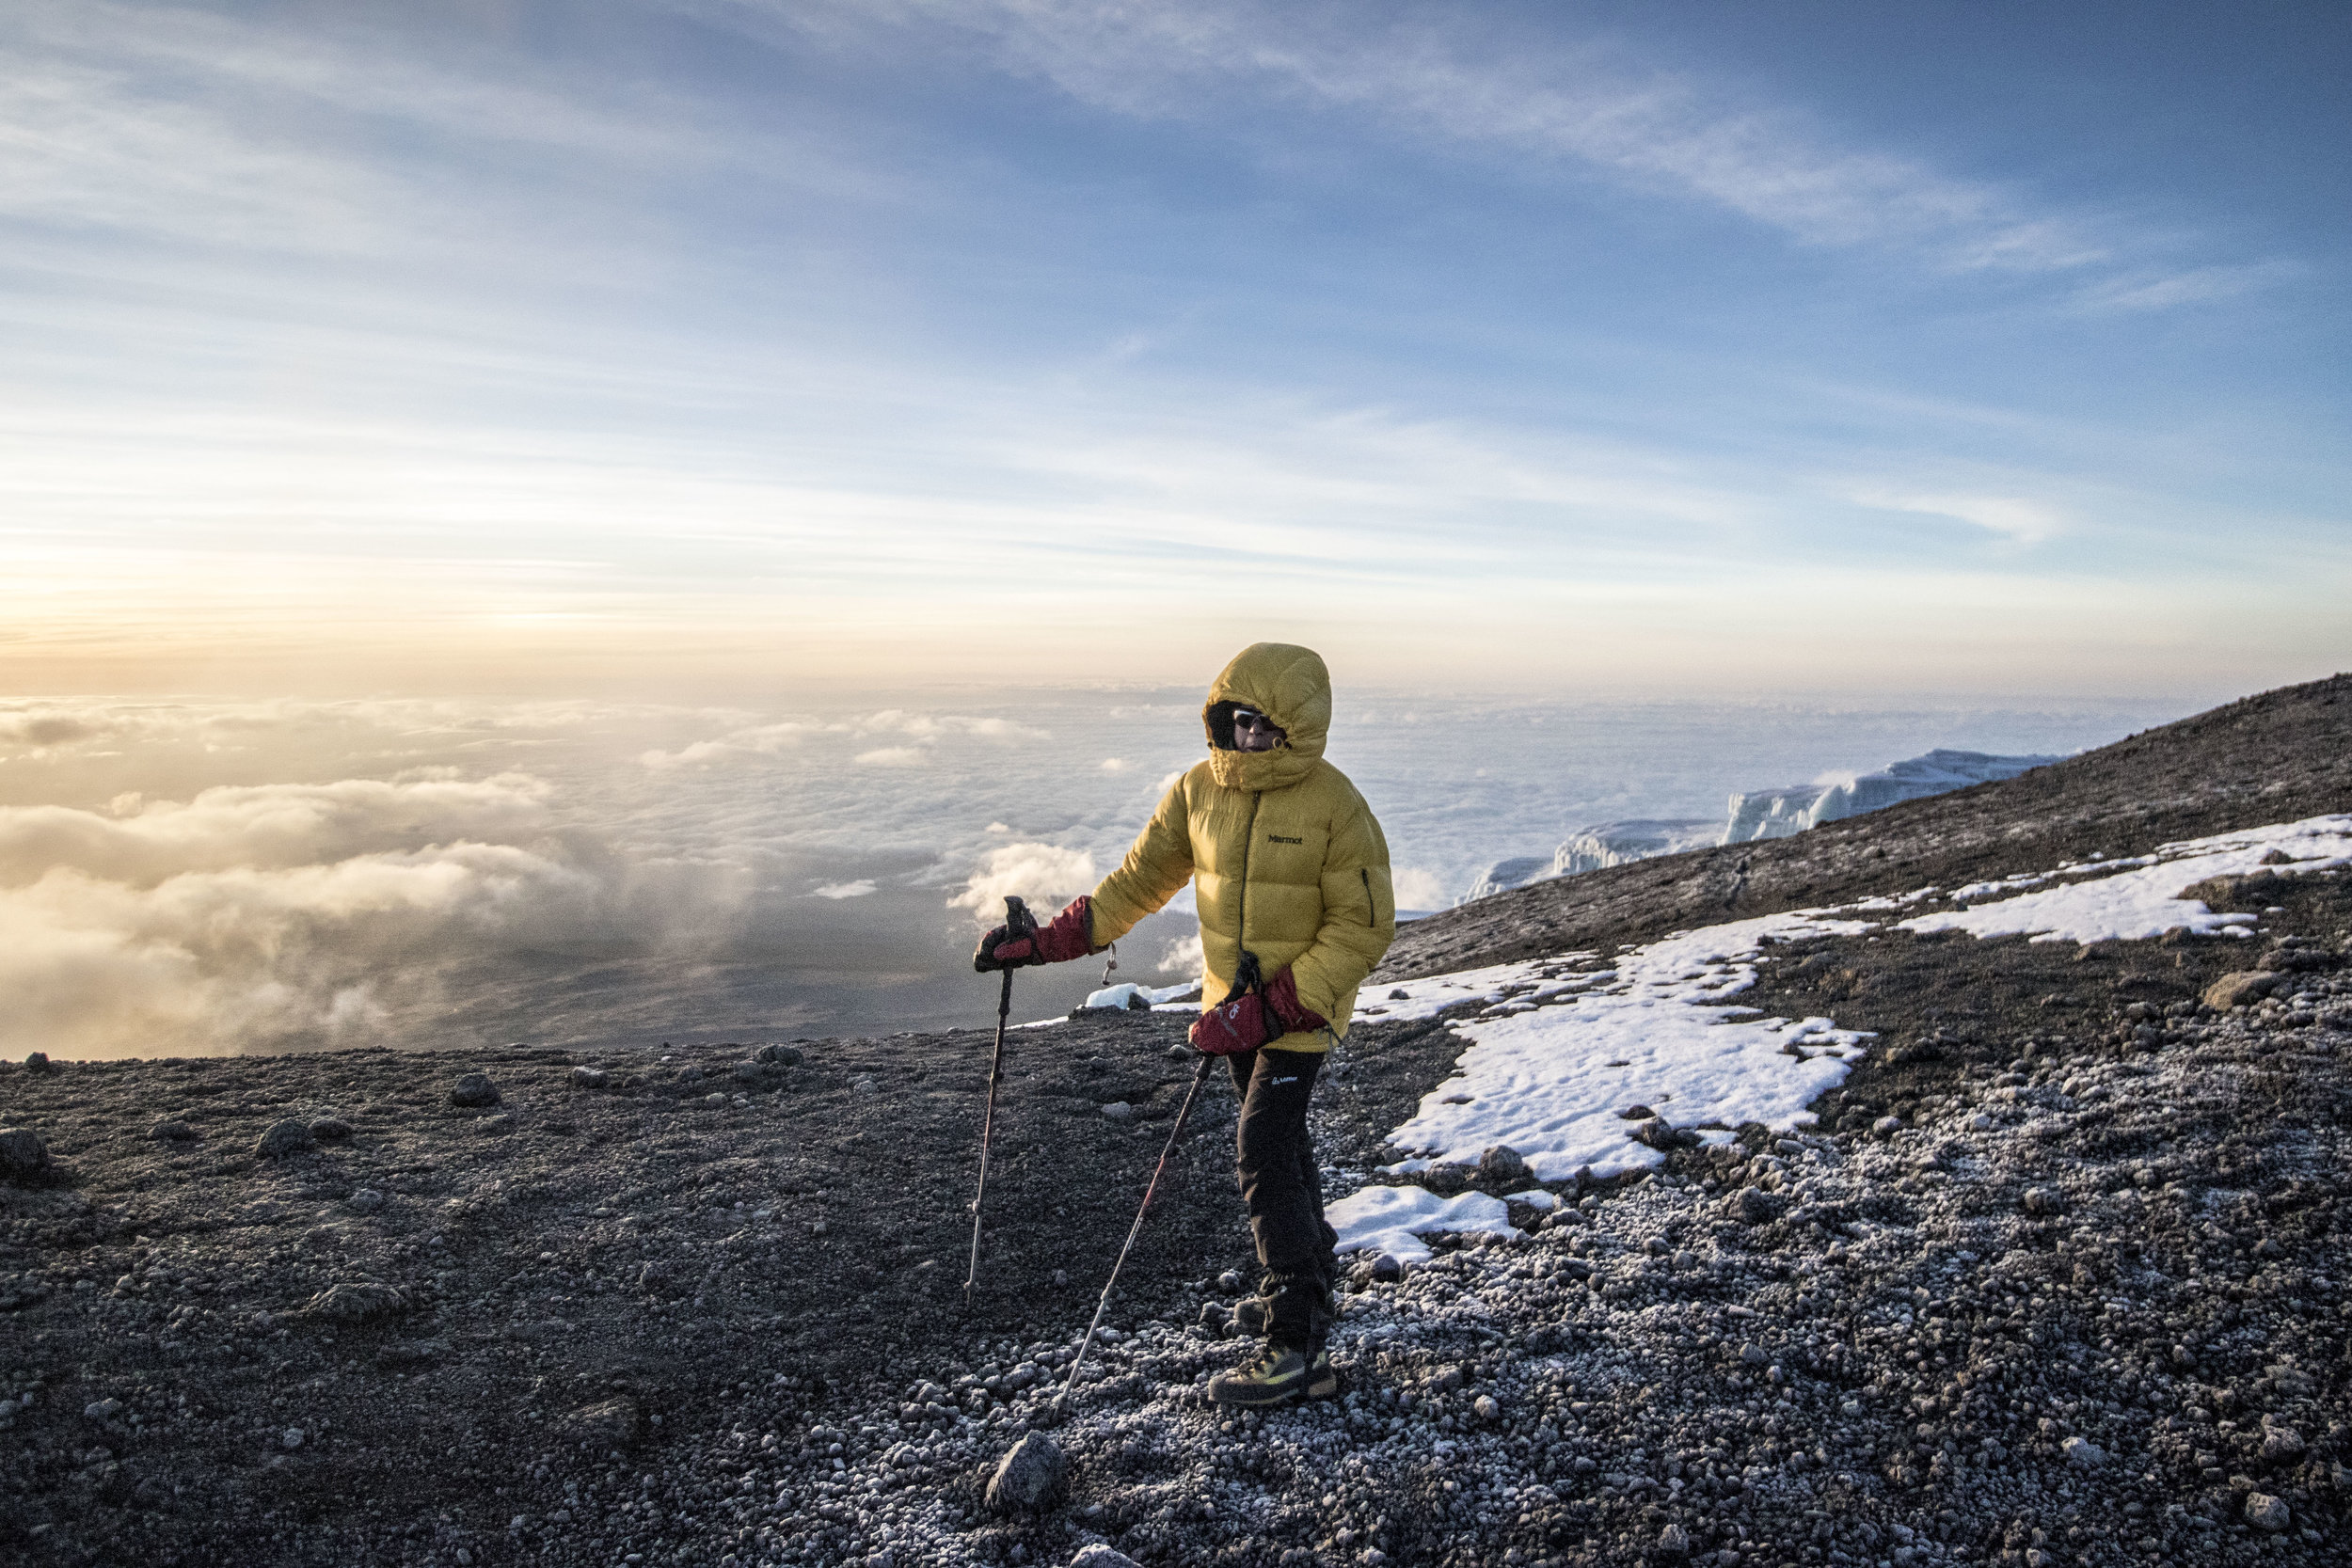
1323, 1379
1276, 1375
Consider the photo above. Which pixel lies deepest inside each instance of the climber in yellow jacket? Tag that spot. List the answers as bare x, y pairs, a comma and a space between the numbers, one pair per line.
1291, 875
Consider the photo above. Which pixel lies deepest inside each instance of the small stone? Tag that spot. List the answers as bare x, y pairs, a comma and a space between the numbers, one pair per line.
1215, 1316
1118, 1110
1755, 1206
328, 1130
2281, 1443
172, 1131
367, 1200
1753, 1355
2083, 1452
22, 1155
1388, 1269
290, 1437
1886, 1127
2265, 1511
1486, 1407
778, 1055
714, 1101
755, 1075
1636, 1113
288, 1136
1230, 1281
591, 1078
1029, 1477
473, 1091
865, 1084
1673, 1540
101, 1410
39, 1062
1400, 995
2044, 1200
1100, 1556
1502, 1164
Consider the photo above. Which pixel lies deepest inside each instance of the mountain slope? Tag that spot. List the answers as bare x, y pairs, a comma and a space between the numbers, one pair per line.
2278, 756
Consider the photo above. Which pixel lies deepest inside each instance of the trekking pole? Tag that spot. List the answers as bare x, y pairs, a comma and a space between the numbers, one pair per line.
1018, 923
1200, 1076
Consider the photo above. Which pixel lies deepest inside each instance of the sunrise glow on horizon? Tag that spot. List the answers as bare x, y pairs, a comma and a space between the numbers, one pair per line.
740, 348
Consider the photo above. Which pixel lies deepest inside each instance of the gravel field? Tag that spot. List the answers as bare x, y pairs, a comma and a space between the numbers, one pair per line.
2058, 1276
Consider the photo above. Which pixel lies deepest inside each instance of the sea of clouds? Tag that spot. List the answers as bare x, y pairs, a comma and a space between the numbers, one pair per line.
185, 878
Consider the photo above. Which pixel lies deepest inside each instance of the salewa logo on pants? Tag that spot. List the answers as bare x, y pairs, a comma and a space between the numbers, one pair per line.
1292, 1080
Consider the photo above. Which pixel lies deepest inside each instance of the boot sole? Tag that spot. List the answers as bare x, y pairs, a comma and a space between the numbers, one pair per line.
1267, 1402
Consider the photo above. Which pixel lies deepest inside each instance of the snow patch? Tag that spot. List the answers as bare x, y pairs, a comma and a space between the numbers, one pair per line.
1550, 1080
2144, 901
1394, 1219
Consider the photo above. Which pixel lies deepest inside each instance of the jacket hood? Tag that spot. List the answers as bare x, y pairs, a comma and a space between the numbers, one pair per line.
1288, 685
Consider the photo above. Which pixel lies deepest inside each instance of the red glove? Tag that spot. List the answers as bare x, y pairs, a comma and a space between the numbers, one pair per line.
1069, 937
1236, 1025
1281, 994
1250, 1019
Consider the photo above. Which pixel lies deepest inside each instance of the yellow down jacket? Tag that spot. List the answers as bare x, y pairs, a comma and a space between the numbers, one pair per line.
1288, 861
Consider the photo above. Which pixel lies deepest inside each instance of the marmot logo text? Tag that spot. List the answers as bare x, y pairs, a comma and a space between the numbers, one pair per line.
1278, 838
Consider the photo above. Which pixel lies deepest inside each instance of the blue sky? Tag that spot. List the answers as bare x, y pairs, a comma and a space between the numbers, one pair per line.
1600, 349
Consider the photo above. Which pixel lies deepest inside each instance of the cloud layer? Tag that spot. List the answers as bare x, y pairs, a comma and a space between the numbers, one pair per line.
180, 878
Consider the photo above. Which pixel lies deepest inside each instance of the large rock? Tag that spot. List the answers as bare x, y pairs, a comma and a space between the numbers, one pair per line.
2240, 990
1029, 1477
473, 1091
1100, 1556
356, 1302
614, 1423
2265, 1511
1755, 1206
22, 1155
291, 1135
2257, 890
1502, 1164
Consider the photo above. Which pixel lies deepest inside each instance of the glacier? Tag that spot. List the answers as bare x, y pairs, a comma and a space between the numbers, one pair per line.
1785, 812
1606, 844
1756, 814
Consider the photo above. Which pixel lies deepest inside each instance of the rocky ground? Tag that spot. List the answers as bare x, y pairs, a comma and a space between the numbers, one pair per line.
2057, 1278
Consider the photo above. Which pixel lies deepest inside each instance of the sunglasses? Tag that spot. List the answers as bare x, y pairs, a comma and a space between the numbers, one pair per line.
1249, 719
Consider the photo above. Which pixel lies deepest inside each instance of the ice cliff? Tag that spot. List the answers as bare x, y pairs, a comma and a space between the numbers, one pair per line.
1608, 844
1782, 812
1761, 814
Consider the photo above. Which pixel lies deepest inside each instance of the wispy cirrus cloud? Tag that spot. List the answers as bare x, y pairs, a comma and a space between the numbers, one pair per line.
1672, 132
2020, 521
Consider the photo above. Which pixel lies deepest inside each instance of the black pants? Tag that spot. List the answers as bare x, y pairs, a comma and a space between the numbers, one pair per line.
1283, 1187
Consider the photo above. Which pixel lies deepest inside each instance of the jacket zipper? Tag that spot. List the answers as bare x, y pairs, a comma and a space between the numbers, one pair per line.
1372, 910
1250, 834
